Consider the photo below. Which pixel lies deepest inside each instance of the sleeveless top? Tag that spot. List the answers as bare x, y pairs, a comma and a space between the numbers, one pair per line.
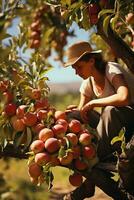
88, 87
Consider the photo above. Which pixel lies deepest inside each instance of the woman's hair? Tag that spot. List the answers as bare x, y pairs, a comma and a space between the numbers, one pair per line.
100, 63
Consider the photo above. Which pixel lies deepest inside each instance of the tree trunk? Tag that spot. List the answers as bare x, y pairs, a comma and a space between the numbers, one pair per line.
120, 48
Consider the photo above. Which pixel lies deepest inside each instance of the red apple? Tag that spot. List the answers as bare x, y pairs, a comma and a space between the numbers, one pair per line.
89, 152
34, 170
73, 139
30, 119
37, 146
76, 179
75, 126
67, 159
42, 114
42, 158
10, 109
52, 145
80, 165
45, 134
21, 111
85, 139
58, 130
60, 115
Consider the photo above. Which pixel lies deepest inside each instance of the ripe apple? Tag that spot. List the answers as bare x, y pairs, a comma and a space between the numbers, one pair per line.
60, 115
67, 159
20, 111
37, 146
76, 179
58, 130
35, 44
34, 170
42, 114
42, 158
62, 141
35, 25
76, 151
45, 134
75, 126
85, 139
30, 119
41, 104
73, 139
55, 160
52, 145
89, 152
18, 124
63, 122
35, 35
80, 165
10, 109
38, 127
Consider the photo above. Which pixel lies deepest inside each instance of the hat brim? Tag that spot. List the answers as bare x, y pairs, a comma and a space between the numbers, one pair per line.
74, 60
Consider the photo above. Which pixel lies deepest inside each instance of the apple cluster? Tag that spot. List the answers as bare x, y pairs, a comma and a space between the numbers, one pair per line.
35, 28
56, 139
20, 116
66, 142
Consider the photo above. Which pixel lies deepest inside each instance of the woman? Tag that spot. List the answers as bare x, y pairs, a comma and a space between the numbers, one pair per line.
105, 85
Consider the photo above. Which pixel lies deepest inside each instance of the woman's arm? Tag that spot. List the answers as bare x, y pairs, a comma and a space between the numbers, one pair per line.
83, 101
120, 98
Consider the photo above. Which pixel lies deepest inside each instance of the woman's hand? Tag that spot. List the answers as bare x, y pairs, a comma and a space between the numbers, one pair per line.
85, 109
71, 108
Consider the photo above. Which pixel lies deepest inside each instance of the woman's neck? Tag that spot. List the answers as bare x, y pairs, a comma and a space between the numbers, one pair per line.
99, 78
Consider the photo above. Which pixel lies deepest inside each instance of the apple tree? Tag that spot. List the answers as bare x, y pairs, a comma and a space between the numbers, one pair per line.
27, 121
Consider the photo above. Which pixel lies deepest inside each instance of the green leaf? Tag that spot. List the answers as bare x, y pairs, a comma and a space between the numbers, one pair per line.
67, 143
120, 137
65, 2
48, 178
62, 152
85, 20
28, 137
115, 176
76, 5
105, 11
18, 138
106, 24
2, 137
114, 21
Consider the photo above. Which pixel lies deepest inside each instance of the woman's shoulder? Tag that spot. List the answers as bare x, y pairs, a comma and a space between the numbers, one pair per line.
113, 69
113, 66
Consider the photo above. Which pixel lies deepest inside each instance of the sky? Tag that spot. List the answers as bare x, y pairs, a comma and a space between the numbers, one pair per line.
59, 74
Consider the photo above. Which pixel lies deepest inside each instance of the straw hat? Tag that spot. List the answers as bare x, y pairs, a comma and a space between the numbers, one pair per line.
76, 51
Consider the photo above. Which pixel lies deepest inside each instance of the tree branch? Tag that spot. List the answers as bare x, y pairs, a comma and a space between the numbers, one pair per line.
11, 151
120, 48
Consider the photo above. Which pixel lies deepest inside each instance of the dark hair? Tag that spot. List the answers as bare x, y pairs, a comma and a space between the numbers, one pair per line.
100, 63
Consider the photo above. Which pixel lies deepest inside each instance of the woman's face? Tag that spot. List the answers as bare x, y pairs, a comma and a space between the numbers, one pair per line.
83, 68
